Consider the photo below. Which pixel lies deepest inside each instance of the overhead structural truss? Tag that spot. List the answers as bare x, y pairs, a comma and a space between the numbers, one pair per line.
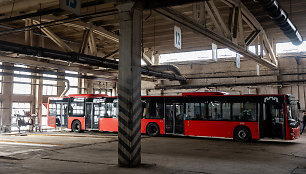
231, 37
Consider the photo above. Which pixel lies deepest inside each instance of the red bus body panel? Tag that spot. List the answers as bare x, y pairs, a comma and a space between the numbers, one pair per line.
159, 122
81, 119
291, 133
51, 120
108, 124
111, 124
87, 95
218, 128
294, 133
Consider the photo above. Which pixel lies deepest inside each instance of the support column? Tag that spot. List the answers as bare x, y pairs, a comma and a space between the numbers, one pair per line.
90, 87
60, 85
38, 101
7, 100
81, 89
129, 135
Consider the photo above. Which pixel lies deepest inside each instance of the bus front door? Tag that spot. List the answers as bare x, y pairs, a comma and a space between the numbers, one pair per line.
91, 118
174, 118
273, 121
62, 115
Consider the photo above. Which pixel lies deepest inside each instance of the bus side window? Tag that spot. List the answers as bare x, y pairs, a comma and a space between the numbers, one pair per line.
195, 111
76, 109
52, 109
102, 109
236, 111
159, 110
107, 111
214, 111
244, 111
226, 111
115, 110
190, 111
249, 112
203, 111
150, 110
144, 110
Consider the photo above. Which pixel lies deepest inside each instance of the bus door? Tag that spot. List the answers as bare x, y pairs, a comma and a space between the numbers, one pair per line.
174, 118
273, 120
62, 114
91, 117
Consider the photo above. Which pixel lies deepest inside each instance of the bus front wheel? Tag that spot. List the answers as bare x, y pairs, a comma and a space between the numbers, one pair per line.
76, 126
242, 134
152, 130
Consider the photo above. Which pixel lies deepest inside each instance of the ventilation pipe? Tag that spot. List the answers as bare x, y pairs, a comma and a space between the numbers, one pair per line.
67, 86
280, 17
171, 68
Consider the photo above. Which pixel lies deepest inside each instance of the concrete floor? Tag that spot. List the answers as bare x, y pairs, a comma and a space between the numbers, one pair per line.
94, 152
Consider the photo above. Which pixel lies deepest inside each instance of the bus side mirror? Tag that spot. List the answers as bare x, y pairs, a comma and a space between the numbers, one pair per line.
299, 105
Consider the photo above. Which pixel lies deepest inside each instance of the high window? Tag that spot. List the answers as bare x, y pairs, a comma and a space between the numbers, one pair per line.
74, 83
22, 85
288, 47
49, 86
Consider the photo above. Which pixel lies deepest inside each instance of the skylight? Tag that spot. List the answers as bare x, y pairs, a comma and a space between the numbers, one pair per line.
204, 55
195, 55
288, 47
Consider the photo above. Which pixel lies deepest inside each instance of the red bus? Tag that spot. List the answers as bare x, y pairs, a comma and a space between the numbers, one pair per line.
213, 114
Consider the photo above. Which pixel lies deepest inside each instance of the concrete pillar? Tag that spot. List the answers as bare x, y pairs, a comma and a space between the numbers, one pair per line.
82, 84
129, 135
7, 100
38, 95
90, 87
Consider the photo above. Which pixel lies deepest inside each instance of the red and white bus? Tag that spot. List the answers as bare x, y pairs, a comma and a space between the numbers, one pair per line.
213, 114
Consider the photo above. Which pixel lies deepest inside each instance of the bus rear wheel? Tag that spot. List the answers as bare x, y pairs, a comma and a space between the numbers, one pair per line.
242, 134
152, 130
76, 126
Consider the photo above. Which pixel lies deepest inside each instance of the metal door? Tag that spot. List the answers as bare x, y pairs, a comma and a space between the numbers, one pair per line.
62, 115
89, 116
174, 118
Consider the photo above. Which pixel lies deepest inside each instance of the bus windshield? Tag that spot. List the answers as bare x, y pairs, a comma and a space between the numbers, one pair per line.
292, 113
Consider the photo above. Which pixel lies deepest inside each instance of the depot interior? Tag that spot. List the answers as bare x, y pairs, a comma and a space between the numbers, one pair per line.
225, 45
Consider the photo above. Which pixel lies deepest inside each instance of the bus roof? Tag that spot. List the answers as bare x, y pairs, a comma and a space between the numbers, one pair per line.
203, 93
87, 95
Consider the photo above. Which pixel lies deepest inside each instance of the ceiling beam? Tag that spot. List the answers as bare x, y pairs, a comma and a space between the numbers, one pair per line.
189, 23
22, 5
92, 44
101, 32
26, 5
83, 25
147, 59
54, 37
218, 17
86, 35
151, 4
252, 22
